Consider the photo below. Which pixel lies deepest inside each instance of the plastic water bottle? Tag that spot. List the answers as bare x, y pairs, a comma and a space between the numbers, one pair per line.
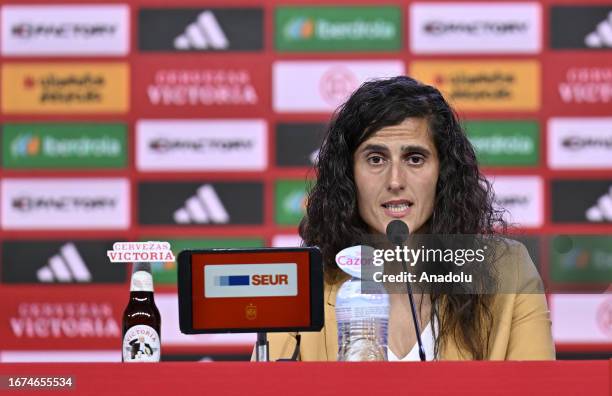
362, 323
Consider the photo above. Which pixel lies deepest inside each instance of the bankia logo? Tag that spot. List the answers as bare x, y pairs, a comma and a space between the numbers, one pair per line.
210, 145
323, 85
203, 87
582, 201
291, 198
65, 88
521, 198
591, 27
59, 262
65, 30
475, 28
580, 143
485, 85
65, 203
338, 28
64, 145
297, 144
505, 143
192, 29
205, 203
581, 258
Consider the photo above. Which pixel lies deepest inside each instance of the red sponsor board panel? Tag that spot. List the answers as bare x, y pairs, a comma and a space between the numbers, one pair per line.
61, 318
578, 85
193, 86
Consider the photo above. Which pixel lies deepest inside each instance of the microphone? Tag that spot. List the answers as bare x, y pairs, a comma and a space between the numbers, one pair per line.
397, 233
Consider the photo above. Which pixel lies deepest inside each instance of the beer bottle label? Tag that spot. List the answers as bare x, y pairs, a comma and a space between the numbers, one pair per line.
141, 344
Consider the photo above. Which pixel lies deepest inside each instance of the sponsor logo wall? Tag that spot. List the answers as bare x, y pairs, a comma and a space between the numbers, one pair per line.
68, 203
581, 86
84, 30
590, 27
485, 85
201, 145
185, 86
200, 125
591, 201
64, 146
205, 29
521, 197
505, 143
475, 28
338, 28
64, 88
59, 262
323, 85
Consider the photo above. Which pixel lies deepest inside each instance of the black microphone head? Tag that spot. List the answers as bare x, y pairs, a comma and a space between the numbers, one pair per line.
397, 232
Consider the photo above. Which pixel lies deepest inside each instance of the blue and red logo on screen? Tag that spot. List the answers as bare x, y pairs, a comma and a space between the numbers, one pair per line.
255, 280
250, 280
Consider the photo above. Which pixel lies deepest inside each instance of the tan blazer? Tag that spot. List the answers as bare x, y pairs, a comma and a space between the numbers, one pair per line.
521, 321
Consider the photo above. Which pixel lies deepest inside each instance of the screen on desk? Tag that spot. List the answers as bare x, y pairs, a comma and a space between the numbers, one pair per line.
246, 290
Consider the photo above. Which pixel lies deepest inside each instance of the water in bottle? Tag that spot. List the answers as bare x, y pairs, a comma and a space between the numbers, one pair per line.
362, 323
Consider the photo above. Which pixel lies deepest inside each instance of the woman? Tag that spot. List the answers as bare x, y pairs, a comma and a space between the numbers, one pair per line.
395, 150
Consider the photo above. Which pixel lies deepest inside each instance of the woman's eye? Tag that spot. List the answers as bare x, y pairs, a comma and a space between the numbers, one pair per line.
375, 160
416, 160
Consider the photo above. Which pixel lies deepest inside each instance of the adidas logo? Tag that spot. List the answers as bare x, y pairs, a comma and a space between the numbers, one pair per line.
205, 33
204, 207
67, 266
602, 210
602, 36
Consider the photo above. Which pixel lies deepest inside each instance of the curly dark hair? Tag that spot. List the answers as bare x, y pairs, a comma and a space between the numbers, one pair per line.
463, 201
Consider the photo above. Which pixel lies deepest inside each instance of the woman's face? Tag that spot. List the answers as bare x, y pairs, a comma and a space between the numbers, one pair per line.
396, 171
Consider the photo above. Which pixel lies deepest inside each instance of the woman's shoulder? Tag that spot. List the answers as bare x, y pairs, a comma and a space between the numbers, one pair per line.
515, 269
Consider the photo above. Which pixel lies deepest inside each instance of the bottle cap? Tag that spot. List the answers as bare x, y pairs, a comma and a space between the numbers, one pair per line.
142, 280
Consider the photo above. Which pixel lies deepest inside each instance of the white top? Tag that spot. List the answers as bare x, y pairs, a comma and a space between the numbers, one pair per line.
427, 336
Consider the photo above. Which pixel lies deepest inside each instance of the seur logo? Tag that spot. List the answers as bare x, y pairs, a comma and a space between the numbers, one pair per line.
250, 280
255, 280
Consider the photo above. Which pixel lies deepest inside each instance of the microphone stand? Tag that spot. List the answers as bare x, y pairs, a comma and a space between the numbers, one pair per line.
262, 347
397, 233
415, 319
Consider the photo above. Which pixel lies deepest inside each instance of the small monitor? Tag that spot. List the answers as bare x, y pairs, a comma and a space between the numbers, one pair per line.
250, 290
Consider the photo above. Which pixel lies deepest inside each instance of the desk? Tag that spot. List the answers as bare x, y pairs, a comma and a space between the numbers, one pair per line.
590, 378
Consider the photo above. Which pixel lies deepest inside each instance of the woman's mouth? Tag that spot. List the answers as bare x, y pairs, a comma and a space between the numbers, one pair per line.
397, 208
